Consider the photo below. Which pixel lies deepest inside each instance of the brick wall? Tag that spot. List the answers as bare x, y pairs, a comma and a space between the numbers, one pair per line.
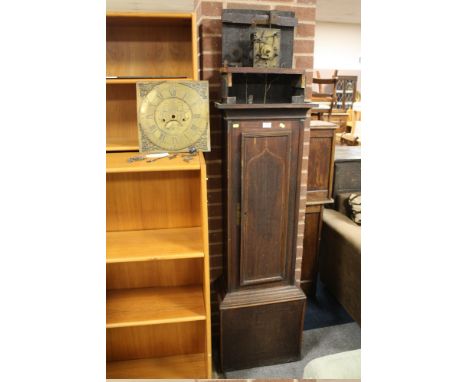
209, 35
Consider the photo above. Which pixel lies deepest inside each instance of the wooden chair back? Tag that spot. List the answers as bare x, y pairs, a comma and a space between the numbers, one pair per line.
321, 95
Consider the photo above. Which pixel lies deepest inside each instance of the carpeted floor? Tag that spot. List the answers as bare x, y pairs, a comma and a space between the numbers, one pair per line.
324, 310
316, 343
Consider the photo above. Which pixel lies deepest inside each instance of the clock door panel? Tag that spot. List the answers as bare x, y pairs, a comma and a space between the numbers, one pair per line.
266, 163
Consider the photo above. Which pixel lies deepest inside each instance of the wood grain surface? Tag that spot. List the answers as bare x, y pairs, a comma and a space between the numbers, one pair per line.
145, 306
160, 244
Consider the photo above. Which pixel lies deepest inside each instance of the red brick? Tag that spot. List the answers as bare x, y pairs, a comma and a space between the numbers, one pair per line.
216, 248
214, 154
215, 196
215, 273
210, 43
216, 236
215, 223
209, 26
211, 8
303, 62
305, 30
216, 140
215, 209
302, 13
211, 60
213, 215
215, 182
216, 128
211, 75
216, 261
303, 46
252, 5
214, 112
215, 94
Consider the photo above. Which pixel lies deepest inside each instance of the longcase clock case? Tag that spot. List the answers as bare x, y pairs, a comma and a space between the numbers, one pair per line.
261, 310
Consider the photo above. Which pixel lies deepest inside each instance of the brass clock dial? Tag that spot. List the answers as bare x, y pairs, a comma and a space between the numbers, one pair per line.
173, 115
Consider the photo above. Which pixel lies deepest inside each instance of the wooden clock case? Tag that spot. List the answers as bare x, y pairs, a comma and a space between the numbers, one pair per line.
261, 309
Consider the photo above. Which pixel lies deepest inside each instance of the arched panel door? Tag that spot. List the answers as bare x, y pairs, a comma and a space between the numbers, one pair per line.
266, 162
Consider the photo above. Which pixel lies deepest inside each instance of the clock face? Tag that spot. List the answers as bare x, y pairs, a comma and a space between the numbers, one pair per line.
173, 115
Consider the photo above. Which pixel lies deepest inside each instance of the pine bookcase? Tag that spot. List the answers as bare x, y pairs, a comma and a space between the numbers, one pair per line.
157, 265
157, 258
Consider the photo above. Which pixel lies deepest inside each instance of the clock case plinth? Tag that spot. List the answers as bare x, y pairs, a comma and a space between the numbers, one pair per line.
261, 308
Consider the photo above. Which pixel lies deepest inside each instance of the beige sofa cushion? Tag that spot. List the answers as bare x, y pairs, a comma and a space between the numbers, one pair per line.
344, 227
346, 365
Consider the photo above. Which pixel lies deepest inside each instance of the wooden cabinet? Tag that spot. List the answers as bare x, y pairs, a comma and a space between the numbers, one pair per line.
143, 47
319, 193
261, 310
312, 233
157, 261
345, 92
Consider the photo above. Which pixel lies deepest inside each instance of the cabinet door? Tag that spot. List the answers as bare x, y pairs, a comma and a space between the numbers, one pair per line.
266, 162
263, 164
320, 165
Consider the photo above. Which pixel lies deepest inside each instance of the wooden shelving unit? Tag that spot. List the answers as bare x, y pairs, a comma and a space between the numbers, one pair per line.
158, 298
157, 261
144, 47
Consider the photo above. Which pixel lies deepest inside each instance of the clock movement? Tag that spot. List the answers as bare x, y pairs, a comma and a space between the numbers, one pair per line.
173, 116
266, 47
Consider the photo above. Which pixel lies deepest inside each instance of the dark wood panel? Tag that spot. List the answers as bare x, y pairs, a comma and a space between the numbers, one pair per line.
261, 335
234, 187
312, 230
320, 174
319, 164
266, 158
